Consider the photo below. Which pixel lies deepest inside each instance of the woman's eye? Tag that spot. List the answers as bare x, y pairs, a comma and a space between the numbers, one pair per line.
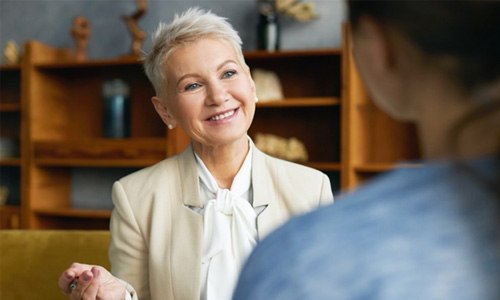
229, 74
191, 86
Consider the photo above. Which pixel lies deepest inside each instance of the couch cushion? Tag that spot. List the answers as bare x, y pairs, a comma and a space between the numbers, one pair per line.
31, 261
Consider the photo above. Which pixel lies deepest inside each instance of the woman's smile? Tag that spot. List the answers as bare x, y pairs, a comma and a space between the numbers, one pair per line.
224, 116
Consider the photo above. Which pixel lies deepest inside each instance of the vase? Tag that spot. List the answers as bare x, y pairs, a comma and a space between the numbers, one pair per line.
268, 29
116, 98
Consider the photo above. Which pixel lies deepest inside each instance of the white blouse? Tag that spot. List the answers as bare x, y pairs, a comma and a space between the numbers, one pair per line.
229, 229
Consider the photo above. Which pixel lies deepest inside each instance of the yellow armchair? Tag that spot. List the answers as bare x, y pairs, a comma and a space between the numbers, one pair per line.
31, 261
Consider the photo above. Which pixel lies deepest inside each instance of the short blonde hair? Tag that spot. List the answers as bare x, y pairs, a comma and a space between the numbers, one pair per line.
193, 24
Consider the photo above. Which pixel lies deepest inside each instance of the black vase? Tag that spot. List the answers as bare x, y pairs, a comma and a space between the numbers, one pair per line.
268, 29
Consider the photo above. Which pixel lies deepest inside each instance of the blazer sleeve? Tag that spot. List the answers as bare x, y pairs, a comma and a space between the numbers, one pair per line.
128, 250
326, 196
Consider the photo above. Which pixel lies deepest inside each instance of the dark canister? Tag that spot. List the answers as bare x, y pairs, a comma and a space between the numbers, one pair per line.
268, 28
116, 97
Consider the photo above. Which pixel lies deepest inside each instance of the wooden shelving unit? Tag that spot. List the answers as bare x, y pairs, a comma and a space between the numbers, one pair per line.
65, 123
324, 106
310, 110
100, 152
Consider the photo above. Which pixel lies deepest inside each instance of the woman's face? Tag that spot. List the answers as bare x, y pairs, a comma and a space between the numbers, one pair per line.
210, 93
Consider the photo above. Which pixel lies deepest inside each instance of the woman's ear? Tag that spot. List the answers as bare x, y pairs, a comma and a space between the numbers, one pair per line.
373, 47
385, 65
163, 112
252, 82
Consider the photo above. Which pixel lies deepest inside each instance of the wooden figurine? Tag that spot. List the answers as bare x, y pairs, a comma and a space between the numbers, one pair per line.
80, 32
11, 53
138, 35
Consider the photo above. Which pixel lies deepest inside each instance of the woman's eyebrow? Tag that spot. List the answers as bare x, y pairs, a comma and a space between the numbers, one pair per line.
228, 61
185, 76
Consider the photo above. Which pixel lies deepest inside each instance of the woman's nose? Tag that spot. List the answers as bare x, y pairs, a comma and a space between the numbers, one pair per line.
217, 94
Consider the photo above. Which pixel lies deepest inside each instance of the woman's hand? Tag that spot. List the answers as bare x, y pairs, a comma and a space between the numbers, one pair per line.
81, 281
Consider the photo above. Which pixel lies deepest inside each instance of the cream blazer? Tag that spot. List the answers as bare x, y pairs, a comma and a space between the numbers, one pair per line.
156, 238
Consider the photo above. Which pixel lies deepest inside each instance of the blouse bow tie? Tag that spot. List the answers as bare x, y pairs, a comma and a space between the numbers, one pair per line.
230, 233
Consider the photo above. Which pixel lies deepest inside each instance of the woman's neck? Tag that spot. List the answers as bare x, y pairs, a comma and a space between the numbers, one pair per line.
223, 161
446, 131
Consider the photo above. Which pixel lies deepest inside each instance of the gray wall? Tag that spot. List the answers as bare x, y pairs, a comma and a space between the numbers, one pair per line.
49, 21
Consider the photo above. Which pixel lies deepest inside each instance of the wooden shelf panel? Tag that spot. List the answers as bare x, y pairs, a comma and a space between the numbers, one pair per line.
10, 161
300, 102
10, 67
98, 163
73, 213
72, 64
383, 167
291, 53
10, 106
324, 166
100, 152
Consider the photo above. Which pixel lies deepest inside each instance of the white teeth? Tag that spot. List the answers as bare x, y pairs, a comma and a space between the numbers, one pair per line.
222, 116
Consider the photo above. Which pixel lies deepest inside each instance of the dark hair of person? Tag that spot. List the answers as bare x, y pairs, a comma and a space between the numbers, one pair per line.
468, 31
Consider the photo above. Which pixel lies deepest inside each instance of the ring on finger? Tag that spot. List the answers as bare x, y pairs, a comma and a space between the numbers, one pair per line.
73, 284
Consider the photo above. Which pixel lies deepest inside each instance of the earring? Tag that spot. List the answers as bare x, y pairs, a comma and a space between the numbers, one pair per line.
170, 126
256, 99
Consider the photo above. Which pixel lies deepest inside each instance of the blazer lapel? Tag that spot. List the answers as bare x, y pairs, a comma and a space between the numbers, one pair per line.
187, 232
189, 178
265, 194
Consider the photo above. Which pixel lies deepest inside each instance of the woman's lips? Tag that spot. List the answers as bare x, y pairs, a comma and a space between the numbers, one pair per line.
222, 116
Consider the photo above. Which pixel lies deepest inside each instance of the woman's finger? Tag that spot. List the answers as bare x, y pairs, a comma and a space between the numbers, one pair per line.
80, 285
66, 281
90, 292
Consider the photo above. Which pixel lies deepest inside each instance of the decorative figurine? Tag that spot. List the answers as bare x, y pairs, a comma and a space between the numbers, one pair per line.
138, 35
297, 10
80, 32
11, 53
290, 149
267, 85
